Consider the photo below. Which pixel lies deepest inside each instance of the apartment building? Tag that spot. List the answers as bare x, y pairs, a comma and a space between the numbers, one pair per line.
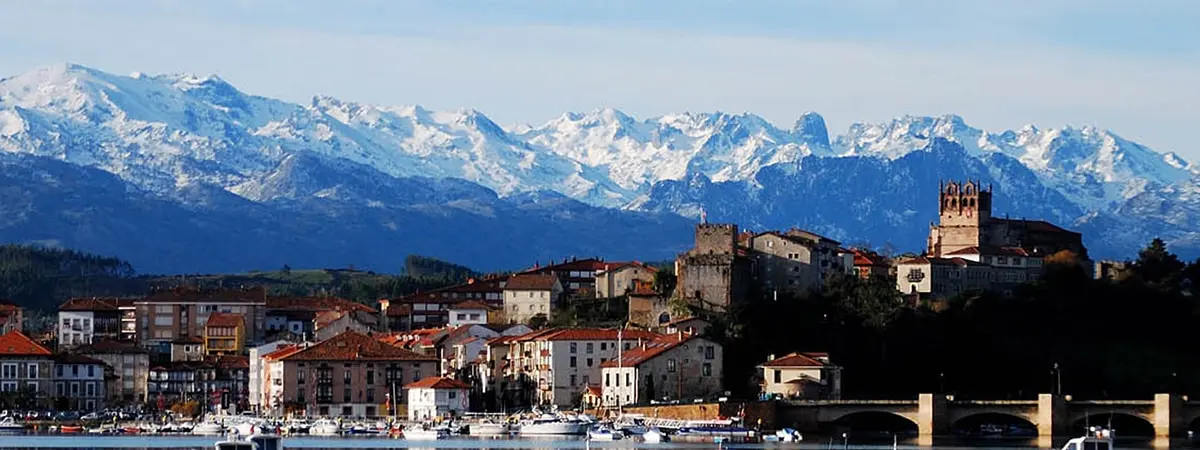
78, 382
26, 367
224, 334
182, 312
130, 367
82, 321
552, 367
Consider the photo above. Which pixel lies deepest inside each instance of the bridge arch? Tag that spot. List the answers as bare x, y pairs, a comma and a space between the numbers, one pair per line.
871, 420
1008, 423
1123, 424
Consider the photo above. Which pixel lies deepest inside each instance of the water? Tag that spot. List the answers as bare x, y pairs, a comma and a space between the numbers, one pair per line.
812, 443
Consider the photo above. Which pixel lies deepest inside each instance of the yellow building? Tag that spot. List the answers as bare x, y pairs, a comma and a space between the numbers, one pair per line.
225, 334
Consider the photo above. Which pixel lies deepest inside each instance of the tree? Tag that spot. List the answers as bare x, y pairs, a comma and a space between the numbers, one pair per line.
538, 322
1158, 267
664, 283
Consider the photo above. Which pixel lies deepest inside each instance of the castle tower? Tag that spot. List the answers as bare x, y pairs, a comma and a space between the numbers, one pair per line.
715, 239
964, 210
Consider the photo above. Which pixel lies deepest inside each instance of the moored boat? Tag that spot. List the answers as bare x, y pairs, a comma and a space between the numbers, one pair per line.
10, 425
425, 434
487, 428
208, 428
70, 429
603, 434
325, 427
654, 436
554, 426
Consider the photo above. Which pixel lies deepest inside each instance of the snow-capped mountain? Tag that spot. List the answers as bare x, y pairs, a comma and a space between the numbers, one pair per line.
202, 144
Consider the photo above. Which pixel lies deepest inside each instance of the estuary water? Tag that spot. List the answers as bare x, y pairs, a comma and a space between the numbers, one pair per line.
84, 442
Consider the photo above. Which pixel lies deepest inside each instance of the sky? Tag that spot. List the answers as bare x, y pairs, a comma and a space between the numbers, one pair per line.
1129, 66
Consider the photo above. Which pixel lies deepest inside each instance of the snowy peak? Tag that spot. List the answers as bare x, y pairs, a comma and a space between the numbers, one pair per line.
811, 129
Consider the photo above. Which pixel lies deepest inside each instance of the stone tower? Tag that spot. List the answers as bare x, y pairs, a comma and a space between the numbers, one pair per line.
964, 210
715, 239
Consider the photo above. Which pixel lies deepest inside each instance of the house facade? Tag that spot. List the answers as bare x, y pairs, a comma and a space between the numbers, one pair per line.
78, 383
224, 334
437, 397
26, 368
676, 366
167, 315
617, 279
328, 324
130, 366
529, 295
82, 321
801, 375
470, 312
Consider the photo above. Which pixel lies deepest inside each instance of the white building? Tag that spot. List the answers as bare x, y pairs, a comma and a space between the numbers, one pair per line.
987, 269
562, 361
82, 321
470, 312
527, 296
806, 375
257, 370
676, 366
437, 397
79, 380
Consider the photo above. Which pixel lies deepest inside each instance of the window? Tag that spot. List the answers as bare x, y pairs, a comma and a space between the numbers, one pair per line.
74, 388
671, 365
300, 376
706, 370
31, 386
572, 362
573, 380
370, 395
589, 362
710, 352
586, 380
91, 389
589, 347
454, 394
90, 405
87, 323
300, 396
164, 320
474, 316
59, 370
778, 376
603, 346
574, 347
66, 323
370, 377
8, 386
628, 379
346, 372
8, 371
462, 316
606, 380
346, 395
74, 370
60, 389
347, 410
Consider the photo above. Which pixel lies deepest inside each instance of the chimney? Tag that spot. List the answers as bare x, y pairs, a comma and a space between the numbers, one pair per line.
771, 357
383, 315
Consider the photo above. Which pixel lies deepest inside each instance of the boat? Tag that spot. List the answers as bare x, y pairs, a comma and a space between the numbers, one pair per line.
553, 426
297, 426
107, 428
208, 428
603, 434
234, 445
325, 427
266, 441
655, 436
715, 434
487, 428
1097, 438
784, 435
10, 425
426, 434
70, 429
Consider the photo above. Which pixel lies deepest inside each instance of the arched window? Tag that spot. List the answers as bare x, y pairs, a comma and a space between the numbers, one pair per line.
664, 317
971, 203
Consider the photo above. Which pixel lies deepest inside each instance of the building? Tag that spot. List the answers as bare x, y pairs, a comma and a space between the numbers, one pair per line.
258, 372
187, 349
551, 367
350, 375
328, 324
801, 375
716, 272
592, 397
231, 387
795, 262
529, 295
686, 325
470, 312
436, 397
181, 381
671, 367
11, 317
965, 220
271, 401
578, 276
288, 316
26, 368
647, 307
130, 366
82, 321
182, 312
868, 264
617, 279
224, 334
79, 383
997, 269
429, 309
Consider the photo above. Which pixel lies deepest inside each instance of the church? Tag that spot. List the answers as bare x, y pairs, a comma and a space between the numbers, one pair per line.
966, 226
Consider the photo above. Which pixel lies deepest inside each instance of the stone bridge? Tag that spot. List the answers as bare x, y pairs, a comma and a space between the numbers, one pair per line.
1051, 415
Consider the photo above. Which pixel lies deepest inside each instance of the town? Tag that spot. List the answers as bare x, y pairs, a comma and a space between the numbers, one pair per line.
491, 344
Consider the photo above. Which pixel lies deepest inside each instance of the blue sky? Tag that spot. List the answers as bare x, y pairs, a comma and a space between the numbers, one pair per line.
1130, 66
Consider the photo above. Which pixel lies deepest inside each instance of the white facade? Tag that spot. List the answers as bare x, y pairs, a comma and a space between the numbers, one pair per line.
467, 316
81, 383
75, 328
429, 403
257, 386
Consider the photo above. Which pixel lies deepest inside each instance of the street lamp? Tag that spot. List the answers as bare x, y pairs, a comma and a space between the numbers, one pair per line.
942, 382
1057, 379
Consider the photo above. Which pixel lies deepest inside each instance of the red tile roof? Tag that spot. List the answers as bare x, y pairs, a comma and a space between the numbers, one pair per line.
16, 343
798, 359
232, 362
454, 294
109, 346
587, 264
314, 304
471, 304
283, 352
586, 334
94, 304
352, 345
941, 261
437, 383
987, 250
225, 320
187, 294
648, 350
868, 258
531, 282
594, 390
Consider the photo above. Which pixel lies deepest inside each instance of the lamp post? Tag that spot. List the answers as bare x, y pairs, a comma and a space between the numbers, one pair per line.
1057, 379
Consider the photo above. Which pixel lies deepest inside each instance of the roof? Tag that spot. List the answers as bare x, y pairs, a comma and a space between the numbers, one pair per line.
649, 350
283, 352
531, 282
619, 266
352, 345
471, 304
586, 264
94, 304
232, 362
868, 258
314, 304
437, 383
440, 295
1033, 225
685, 319
188, 294
593, 390
942, 261
187, 340
585, 334
990, 250
16, 343
798, 359
324, 318
110, 346
225, 320
75, 358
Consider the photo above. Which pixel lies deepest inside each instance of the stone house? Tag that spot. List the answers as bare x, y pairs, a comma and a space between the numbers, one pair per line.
671, 367
437, 397
529, 295
350, 375
801, 375
716, 272
328, 324
617, 279
130, 367
187, 349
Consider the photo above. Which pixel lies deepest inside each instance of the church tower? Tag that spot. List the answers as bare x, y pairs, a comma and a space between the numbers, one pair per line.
964, 210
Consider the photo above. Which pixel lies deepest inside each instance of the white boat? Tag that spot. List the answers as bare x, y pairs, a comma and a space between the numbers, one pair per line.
325, 427
654, 436
487, 428
1096, 439
234, 445
603, 434
426, 434
10, 425
208, 428
245, 428
266, 441
553, 426
784, 435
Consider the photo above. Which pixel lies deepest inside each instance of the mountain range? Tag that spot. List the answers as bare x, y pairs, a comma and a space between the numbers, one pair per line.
185, 173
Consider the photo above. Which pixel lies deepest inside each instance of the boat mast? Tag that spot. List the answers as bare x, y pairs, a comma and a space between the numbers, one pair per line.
620, 366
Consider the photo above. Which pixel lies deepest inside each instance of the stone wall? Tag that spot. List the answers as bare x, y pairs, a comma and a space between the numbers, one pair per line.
715, 239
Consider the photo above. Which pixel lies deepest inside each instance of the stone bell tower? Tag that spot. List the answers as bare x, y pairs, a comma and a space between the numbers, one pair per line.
964, 210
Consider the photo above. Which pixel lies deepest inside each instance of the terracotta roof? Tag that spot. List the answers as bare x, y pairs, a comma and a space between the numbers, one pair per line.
93, 304
485, 286
232, 362
593, 390
187, 294
471, 304
988, 250
187, 340
75, 358
324, 318
437, 383
587, 264
110, 346
283, 352
868, 258
351, 345
531, 282
15, 343
649, 350
224, 320
798, 359
586, 334
941, 261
